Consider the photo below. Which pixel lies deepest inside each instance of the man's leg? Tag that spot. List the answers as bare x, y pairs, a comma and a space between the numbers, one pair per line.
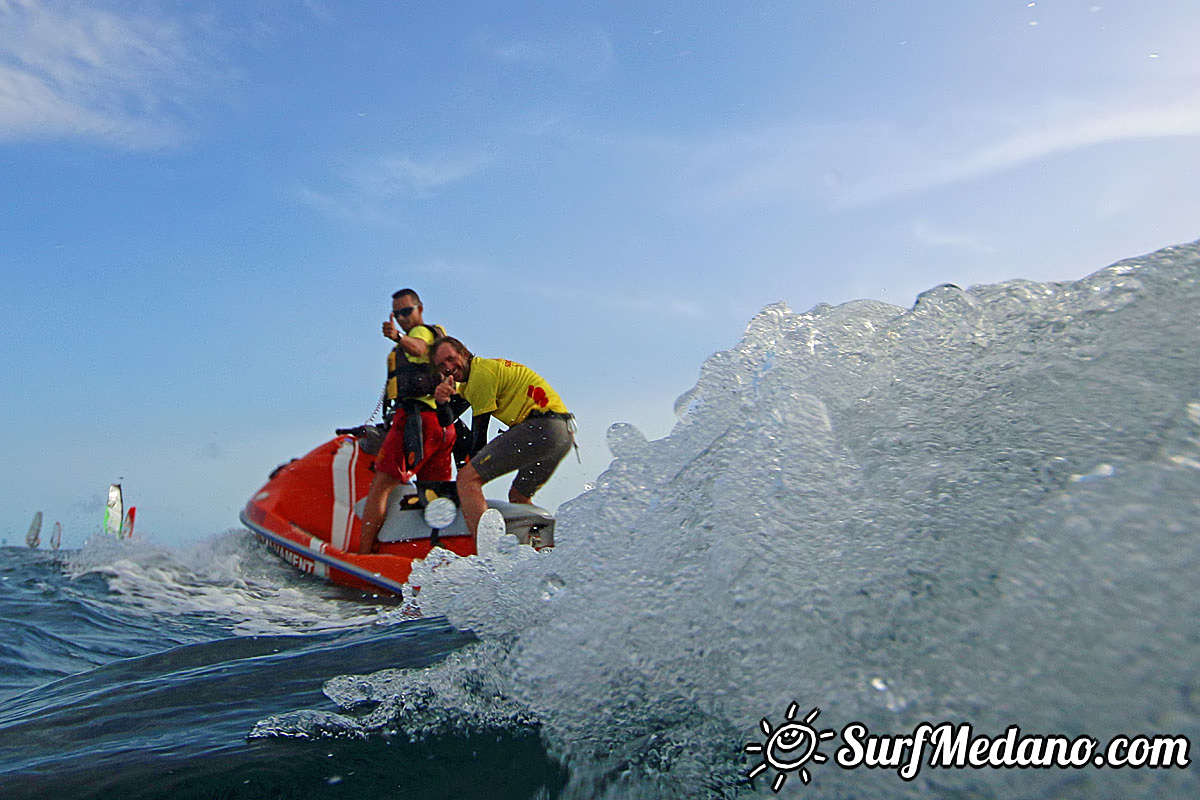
414, 436
438, 445
550, 440
470, 497
389, 467
375, 509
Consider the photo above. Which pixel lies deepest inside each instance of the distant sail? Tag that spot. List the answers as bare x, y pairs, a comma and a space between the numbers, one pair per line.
56, 537
127, 525
113, 511
33, 538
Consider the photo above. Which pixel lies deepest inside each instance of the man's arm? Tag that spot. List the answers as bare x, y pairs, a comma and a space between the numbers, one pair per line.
479, 431
416, 342
414, 346
450, 410
446, 396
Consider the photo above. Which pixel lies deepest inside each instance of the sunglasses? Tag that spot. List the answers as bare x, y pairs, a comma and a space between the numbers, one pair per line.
404, 312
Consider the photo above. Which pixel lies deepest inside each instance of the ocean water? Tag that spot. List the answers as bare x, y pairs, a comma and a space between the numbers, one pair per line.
982, 510
129, 671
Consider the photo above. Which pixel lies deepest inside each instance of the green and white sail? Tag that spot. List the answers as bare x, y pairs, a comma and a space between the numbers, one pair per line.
114, 511
34, 537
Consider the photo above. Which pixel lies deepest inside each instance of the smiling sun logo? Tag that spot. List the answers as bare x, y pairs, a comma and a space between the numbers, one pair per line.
789, 747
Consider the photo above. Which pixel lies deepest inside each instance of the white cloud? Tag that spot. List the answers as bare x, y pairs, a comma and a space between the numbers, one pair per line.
582, 55
371, 190
630, 298
451, 271
559, 293
915, 166
863, 163
75, 71
931, 234
404, 175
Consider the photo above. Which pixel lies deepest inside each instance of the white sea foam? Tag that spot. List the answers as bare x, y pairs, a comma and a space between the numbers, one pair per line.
985, 508
228, 579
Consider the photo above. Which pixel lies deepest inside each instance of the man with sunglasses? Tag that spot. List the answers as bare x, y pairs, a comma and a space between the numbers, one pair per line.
409, 375
419, 441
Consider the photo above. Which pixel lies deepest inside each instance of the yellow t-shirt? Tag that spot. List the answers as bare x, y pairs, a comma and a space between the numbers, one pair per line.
508, 391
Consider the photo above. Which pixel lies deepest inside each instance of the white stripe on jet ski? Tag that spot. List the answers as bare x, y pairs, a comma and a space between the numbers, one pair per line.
344, 462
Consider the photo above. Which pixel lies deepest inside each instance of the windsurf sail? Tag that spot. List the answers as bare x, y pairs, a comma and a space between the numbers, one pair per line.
56, 537
127, 525
114, 510
33, 538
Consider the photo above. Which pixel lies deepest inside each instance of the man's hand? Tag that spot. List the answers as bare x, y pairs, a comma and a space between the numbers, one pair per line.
444, 390
390, 330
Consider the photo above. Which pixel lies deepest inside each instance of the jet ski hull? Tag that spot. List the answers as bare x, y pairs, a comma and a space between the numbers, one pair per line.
310, 514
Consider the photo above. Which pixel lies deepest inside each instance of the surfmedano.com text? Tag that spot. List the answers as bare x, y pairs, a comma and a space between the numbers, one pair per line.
955, 746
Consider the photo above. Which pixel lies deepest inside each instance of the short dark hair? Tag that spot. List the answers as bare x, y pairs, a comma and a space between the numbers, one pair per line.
403, 292
455, 343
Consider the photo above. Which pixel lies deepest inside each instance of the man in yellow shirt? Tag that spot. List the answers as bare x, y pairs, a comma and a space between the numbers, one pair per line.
540, 429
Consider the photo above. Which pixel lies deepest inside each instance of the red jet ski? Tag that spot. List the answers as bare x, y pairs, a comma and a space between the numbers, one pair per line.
310, 513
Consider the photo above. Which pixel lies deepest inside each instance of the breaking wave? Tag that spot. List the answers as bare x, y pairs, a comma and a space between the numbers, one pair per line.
984, 508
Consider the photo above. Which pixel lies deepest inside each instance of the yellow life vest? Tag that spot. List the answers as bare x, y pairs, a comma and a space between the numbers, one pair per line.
409, 376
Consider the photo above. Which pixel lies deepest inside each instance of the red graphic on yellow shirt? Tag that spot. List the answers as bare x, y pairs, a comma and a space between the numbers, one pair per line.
538, 394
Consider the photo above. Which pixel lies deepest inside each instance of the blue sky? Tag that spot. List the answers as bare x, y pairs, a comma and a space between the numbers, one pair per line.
207, 205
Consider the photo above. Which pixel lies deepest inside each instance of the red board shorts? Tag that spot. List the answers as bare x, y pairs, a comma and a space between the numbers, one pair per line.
438, 441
